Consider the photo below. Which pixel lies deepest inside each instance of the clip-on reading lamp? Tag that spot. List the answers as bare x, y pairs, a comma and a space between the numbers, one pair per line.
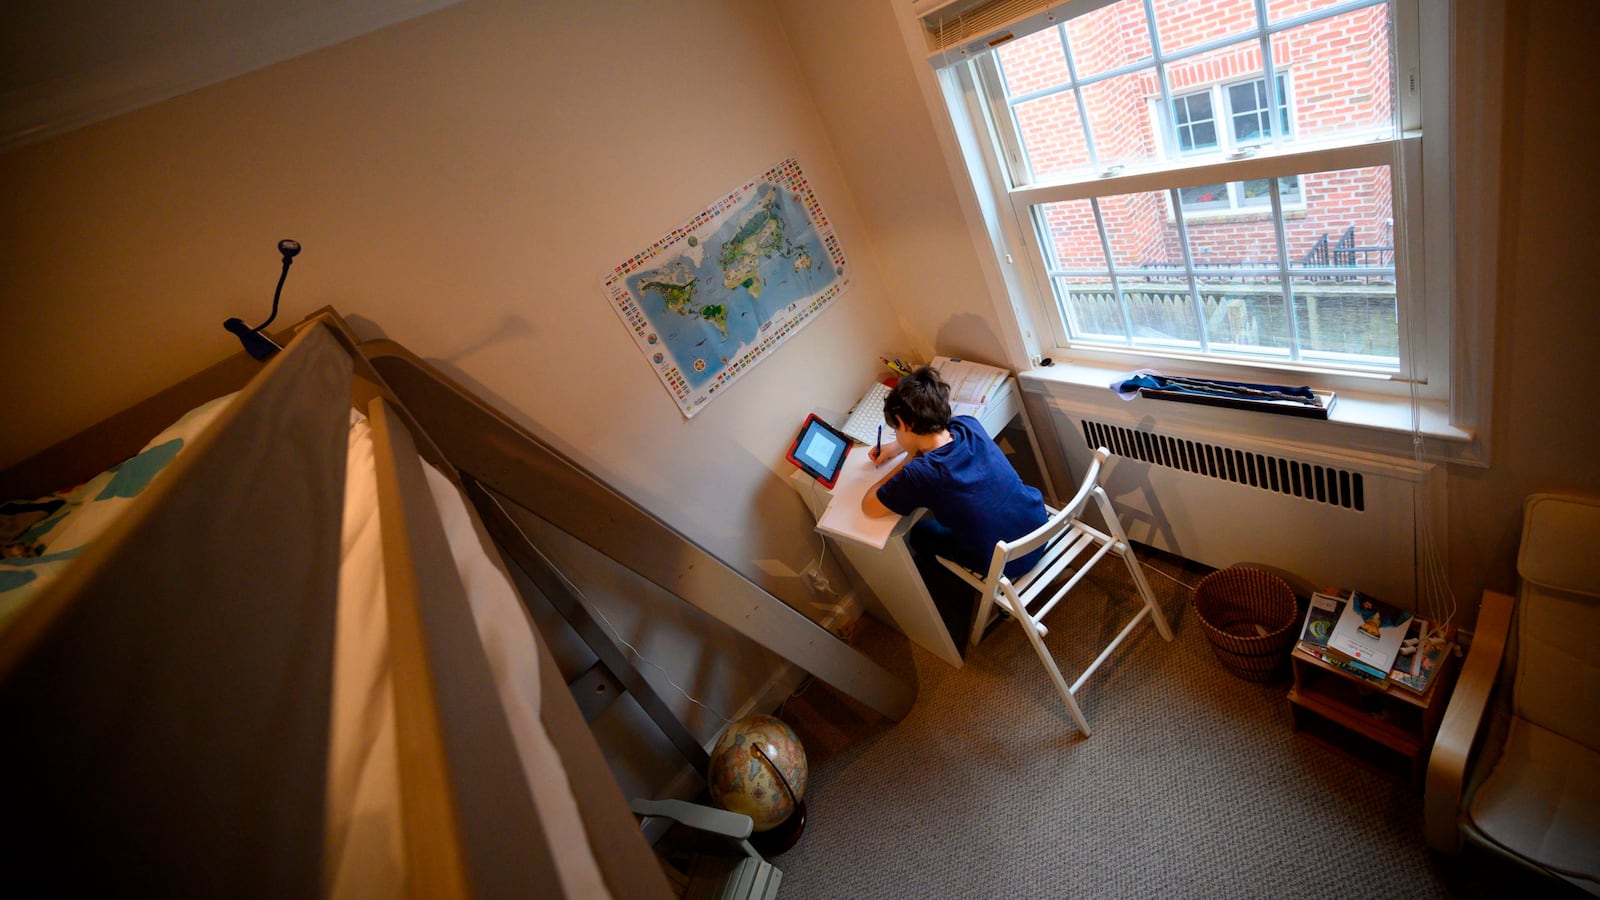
255, 343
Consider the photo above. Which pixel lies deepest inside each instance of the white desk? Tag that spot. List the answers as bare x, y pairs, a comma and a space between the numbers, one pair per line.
877, 547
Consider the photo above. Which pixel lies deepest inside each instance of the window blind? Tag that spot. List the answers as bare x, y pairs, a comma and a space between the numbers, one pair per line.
958, 30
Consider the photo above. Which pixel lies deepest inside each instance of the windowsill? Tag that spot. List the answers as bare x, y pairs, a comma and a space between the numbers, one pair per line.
1366, 422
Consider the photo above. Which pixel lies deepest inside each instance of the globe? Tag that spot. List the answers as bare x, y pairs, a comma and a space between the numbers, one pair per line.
743, 781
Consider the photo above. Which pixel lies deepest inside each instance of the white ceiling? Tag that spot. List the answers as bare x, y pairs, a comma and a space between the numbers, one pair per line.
67, 63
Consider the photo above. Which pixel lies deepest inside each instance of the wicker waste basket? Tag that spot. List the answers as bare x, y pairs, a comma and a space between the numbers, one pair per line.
1248, 616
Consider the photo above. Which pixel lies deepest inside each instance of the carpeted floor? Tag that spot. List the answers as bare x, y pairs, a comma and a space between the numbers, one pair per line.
1193, 783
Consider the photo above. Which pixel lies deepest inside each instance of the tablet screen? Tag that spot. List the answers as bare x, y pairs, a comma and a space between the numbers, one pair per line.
820, 450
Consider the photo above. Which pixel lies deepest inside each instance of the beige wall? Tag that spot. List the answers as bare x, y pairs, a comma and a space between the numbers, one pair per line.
1547, 347
1548, 325
460, 183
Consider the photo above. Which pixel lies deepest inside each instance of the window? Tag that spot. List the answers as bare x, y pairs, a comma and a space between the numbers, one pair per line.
1248, 121
1247, 114
1170, 204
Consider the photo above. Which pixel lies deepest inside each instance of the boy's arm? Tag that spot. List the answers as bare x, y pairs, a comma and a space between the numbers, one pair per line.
870, 504
880, 455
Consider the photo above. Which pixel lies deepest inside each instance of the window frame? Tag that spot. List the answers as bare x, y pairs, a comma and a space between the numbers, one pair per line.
1424, 321
1219, 93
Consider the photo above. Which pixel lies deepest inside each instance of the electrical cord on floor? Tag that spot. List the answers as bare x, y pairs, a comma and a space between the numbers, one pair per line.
1170, 578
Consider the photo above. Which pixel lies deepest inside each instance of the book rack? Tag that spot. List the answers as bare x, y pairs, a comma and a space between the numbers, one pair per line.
1384, 727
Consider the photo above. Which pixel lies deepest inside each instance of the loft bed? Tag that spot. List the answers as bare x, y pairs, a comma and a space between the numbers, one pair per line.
293, 663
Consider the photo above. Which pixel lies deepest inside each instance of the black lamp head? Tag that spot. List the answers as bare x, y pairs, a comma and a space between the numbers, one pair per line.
289, 248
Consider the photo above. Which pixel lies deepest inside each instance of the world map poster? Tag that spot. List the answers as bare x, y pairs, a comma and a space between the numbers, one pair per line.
723, 290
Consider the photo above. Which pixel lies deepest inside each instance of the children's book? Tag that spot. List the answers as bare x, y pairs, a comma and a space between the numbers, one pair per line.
1420, 658
1320, 618
1354, 669
1370, 632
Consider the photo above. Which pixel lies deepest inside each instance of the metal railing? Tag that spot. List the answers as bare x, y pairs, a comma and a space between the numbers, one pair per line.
1345, 254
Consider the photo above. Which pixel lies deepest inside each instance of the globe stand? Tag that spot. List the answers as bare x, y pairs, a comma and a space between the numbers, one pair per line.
780, 837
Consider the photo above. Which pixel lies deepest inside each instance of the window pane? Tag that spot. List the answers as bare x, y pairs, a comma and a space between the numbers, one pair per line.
1256, 193
1240, 283
1198, 75
1251, 115
1180, 27
1197, 127
1071, 243
1342, 268
1033, 63
1161, 308
1139, 230
1052, 136
1339, 70
1119, 118
1278, 10
1150, 269
1070, 239
1091, 308
1232, 243
1109, 38
1206, 196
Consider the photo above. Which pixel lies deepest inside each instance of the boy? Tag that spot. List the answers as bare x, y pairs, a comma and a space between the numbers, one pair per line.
973, 494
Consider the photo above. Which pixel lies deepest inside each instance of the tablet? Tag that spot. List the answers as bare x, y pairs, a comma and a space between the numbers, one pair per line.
819, 450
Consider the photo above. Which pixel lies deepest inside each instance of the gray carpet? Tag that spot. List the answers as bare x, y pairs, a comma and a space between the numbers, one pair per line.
1193, 783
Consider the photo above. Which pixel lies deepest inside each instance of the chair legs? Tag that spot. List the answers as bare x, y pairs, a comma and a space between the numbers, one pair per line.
1122, 548
1125, 550
1056, 678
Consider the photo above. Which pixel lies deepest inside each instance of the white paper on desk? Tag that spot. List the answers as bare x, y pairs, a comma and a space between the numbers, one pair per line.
970, 383
843, 517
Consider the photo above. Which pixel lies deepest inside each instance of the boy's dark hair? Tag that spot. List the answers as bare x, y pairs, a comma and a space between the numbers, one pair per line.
920, 402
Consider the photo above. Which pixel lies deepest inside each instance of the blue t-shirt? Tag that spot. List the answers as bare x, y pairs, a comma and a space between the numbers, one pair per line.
971, 488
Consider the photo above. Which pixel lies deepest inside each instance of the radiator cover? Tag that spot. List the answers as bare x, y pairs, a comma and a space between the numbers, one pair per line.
1331, 519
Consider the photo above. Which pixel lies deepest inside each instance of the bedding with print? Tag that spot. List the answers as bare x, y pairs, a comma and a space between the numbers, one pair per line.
39, 537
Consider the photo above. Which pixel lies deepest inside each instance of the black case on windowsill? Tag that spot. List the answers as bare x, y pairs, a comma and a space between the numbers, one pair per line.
1281, 407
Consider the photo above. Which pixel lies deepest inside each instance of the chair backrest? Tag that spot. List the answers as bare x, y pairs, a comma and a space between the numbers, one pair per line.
1558, 630
1054, 528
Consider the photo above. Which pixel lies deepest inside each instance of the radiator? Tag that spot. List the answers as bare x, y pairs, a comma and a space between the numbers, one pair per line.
1331, 519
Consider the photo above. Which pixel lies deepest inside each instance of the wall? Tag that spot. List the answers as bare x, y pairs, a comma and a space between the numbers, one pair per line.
854, 56
460, 183
1548, 319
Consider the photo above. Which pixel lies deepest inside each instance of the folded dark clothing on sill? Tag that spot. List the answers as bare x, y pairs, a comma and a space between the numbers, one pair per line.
1206, 387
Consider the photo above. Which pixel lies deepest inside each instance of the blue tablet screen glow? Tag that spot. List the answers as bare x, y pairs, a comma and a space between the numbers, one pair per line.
819, 450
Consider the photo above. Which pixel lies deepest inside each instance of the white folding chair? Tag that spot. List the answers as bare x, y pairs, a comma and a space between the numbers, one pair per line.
1066, 539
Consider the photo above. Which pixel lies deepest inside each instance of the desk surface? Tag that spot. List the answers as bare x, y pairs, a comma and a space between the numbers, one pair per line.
844, 518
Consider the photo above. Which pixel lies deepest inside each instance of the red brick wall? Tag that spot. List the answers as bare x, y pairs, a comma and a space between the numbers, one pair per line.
1337, 73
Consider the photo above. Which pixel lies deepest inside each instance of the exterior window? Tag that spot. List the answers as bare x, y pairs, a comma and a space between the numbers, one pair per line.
1252, 114
1175, 205
1249, 121
1197, 127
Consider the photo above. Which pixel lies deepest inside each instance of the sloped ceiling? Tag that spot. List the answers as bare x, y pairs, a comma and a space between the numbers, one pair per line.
67, 63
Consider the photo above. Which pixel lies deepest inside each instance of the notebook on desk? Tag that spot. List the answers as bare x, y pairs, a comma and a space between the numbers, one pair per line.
971, 383
844, 518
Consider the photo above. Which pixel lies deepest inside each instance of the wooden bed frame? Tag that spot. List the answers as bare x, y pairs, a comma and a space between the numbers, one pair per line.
164, 707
